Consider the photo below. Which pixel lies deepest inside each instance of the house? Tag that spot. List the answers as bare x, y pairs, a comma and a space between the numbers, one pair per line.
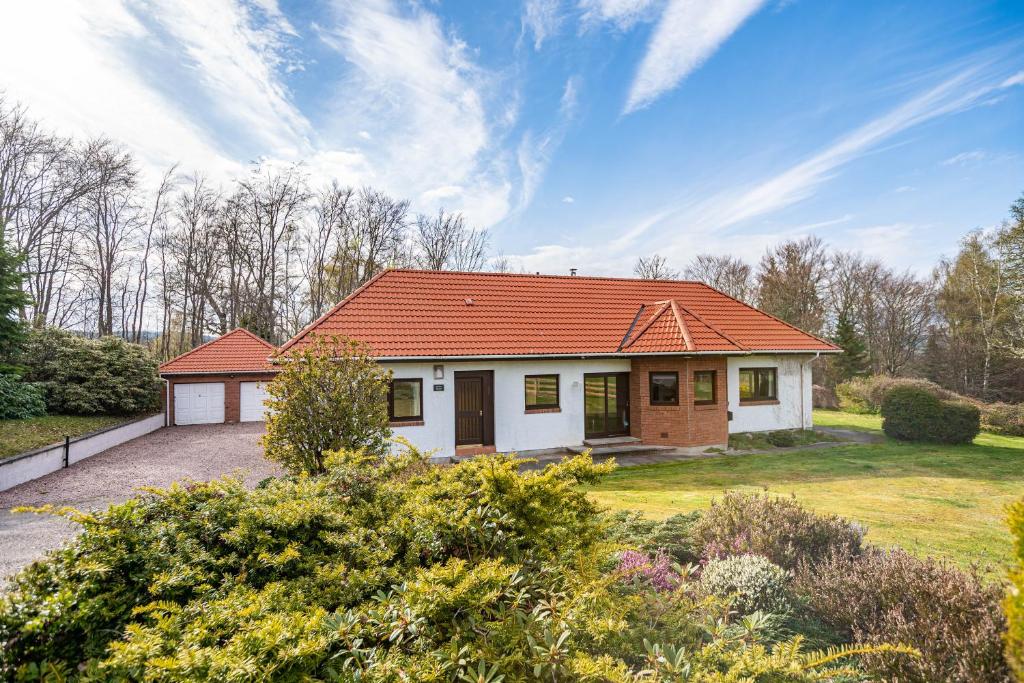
219, 381
486, 362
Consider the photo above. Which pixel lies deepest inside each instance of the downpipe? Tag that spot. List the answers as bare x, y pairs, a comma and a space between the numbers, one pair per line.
803, 401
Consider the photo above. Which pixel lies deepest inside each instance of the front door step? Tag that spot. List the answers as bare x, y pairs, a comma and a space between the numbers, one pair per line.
612, 441
635, 448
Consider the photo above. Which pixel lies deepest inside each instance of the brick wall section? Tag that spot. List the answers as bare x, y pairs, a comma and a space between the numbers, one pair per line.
232, 390
684, 424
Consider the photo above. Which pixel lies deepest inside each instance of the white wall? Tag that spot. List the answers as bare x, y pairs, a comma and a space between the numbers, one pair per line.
791, 412
514, 430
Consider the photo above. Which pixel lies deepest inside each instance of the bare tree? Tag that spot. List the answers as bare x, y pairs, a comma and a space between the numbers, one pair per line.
654, 268
332, 218
790, 282
725, 273
897, 311
501, 264
443, 242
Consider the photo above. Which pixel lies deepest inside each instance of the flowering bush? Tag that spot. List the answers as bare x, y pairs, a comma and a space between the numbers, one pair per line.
751, 582
657, 570
777, 528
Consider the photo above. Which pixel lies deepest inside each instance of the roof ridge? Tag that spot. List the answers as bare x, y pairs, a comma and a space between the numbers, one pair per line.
776, 319
540, 275
714, 329
334, 309
687, 339
647, 326
214, 341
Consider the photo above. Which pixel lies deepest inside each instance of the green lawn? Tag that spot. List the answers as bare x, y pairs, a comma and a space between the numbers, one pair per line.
929, 499
18, 436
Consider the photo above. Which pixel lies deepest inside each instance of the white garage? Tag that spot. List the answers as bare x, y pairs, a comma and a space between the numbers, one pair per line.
199, 403
251, 398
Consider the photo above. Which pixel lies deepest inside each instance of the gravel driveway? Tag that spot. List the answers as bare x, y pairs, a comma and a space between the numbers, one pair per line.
199, 452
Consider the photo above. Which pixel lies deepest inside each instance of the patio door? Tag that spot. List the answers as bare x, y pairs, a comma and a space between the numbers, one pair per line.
606, 404
474, 408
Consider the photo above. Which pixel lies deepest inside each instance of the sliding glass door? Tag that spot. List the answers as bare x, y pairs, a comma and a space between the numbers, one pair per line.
606, 404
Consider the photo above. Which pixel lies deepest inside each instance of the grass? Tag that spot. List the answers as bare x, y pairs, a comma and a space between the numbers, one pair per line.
18, 436
759, 441
930, 499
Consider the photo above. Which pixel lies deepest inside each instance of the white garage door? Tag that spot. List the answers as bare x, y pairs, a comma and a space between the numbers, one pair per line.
251, 408
196, 404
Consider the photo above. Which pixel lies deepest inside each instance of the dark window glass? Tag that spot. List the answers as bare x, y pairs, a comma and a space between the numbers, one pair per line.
405, 400
541, 391
758, 384
664, 388
704, 387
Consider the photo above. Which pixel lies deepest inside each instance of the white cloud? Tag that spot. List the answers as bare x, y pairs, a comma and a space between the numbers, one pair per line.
688, 33
426, 103
534, 152
622, 13
964, 158
568, 199
1015, 79
542, 18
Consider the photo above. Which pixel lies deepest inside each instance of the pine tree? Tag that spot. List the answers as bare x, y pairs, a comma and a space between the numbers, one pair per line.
854, 360
12, 299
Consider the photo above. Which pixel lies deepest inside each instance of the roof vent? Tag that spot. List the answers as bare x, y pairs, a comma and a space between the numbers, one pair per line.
572, 271
469, 302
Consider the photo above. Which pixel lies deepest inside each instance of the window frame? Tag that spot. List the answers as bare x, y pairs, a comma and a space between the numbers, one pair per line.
714, 388
757, 382
391, 400
543, 406
650, 387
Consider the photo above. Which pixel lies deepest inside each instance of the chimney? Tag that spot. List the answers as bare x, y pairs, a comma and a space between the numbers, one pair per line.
572, 271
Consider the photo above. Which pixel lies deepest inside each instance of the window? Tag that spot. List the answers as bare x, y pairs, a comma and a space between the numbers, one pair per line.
541, 391
664, 388
758, 384
704, 387
405, 400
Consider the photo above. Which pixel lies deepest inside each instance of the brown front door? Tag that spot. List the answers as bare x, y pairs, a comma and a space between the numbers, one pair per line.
474, 408
605, 404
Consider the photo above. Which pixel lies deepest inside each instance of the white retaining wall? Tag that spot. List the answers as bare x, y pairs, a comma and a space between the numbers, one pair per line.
34, 464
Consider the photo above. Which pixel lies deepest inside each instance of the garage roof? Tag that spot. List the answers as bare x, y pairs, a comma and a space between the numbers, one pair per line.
237, 351
437, 314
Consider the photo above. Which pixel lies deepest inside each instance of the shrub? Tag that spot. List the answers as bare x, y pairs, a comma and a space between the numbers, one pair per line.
782, 438
751, 581
329, 396
913, 414
777, 528
866, 394
106, 376
20, 400
1003, 418
379, 570
673, 535
1014, 602
952, 616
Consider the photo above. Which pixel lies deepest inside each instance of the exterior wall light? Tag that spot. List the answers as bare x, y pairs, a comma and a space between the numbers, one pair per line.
438, 372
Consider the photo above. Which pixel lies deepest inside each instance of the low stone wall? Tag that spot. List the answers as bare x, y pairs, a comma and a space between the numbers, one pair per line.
34, 464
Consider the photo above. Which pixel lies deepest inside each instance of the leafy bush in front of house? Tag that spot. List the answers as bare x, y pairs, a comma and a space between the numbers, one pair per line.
913, 414
79, 376
1014, 601
20, 400
952, 616
382, 569
777, 528
751, 582
329, 396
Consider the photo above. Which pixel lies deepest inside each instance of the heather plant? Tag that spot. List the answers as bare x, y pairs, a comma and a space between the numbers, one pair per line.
951, 616
657, 570
751, 582
777, 528
328, 396
1014, 602
381, 569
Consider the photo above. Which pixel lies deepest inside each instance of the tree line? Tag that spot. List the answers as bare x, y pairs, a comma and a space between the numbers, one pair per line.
962, 326
102, 252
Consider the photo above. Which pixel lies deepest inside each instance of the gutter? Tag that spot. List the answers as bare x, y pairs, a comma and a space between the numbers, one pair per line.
584, 356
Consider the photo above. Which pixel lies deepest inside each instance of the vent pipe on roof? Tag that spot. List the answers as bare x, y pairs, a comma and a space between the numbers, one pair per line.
572, 271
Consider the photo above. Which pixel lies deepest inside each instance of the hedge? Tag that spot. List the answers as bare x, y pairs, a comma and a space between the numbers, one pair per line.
913, 414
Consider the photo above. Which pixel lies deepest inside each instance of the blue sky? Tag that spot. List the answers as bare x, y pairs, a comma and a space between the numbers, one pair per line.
581, 133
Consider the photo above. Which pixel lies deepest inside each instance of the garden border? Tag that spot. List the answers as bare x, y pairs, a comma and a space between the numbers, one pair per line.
33, 464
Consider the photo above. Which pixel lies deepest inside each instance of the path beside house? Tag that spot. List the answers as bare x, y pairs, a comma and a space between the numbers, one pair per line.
199, 452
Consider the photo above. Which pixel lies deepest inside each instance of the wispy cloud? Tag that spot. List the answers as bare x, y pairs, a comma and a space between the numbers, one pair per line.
568, 199
964, 158
541, 18
535, 151
622, 13
688, 33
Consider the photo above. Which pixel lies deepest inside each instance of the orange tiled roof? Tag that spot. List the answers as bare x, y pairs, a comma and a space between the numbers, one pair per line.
435, 314
237, 351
